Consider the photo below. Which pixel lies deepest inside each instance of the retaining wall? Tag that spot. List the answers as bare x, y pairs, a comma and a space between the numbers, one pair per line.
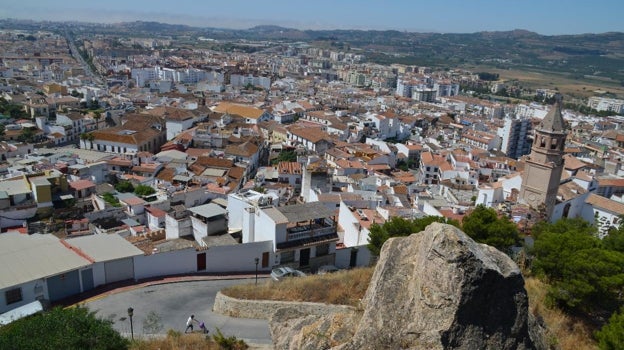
264, 309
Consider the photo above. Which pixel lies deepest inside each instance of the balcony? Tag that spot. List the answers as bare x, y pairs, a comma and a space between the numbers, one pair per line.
27, 204
308, 231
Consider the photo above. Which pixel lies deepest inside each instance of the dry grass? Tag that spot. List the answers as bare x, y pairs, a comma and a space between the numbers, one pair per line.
564, 331
176, 341
348, 287
343, 288
582, 88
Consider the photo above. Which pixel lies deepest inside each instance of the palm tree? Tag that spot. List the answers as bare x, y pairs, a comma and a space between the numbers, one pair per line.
97, 116
87, 136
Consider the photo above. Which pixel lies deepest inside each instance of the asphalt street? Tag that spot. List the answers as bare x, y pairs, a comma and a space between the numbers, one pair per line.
174, 303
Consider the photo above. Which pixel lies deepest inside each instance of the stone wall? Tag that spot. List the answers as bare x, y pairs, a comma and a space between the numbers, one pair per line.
264, 309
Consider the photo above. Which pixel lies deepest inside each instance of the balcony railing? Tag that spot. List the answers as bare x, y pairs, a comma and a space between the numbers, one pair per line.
23, 205
306, 231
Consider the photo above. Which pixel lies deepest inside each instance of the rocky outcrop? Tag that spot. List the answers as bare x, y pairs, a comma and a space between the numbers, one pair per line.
292, 329
437, 289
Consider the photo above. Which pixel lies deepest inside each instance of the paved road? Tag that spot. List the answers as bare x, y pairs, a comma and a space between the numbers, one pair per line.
174, 303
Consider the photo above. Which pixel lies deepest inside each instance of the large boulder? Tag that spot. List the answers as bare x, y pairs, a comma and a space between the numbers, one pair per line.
437, 289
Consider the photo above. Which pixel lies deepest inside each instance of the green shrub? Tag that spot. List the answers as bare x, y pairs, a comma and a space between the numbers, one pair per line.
229, 343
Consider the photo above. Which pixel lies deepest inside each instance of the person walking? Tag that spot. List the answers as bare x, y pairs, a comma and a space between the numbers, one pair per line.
189, 323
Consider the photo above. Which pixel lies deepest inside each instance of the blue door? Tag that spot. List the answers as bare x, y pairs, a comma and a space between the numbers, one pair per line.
87, 279
64, 285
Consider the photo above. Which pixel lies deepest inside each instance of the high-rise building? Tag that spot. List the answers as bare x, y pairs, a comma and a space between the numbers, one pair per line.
542, 171
515, 137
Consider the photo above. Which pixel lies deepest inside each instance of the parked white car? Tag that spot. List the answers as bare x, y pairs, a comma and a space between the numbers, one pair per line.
279, 273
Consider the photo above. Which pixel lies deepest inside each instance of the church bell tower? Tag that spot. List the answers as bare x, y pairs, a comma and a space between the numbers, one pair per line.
542, 171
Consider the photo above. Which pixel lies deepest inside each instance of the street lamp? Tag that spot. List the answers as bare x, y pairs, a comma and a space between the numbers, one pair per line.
256, 260
130, 314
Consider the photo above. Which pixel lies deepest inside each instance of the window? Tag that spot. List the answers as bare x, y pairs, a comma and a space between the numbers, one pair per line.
322, 249
287, 257
13, 296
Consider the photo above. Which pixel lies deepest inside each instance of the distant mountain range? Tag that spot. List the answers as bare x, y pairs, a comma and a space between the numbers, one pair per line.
599, 55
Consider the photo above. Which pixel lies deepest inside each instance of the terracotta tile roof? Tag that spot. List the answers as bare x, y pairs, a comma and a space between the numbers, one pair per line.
400, 189
135, 131
448, 213
245, 111
171, 113
214, 162
146, 168
605, 204
570, 190
291, 168
615, 182
429, 158
236, 172
350, 164
81, 184
197, 169
133, 201
312, 134
197, 152
159, 213
119, 161
166, 174
571, 162
246, 149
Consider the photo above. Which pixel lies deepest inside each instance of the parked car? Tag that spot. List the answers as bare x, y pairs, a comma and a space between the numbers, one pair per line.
326, 269
279, 273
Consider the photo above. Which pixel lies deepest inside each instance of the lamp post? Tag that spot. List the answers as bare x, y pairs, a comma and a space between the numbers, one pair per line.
256, 260
130, 314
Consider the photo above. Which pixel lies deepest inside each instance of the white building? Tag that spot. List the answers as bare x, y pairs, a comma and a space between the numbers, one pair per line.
515, 137
606, 104
44, 267
303, 235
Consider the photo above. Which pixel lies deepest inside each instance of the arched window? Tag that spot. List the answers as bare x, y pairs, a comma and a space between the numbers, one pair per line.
566, 210
553, 144
542, 142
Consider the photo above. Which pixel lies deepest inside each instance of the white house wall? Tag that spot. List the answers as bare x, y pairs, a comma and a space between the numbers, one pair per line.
605, 218
576, 208
349, 224
99, 274
239, 258
343, 257
166, 263
430, 209
267, 230
236, 210
31, 291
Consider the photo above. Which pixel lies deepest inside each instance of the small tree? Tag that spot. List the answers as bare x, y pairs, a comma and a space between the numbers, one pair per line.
584, 276
611, 336
399, 227
485, 226
124, 186
97, 115
71, 328
144, 190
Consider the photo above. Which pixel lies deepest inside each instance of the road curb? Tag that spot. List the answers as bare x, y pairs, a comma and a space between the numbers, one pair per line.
169, 280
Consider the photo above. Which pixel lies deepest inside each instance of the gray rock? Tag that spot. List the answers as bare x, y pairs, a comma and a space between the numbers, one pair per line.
437, 289
294, 330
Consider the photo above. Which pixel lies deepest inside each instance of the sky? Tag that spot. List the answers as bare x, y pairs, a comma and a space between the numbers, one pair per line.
548, 17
